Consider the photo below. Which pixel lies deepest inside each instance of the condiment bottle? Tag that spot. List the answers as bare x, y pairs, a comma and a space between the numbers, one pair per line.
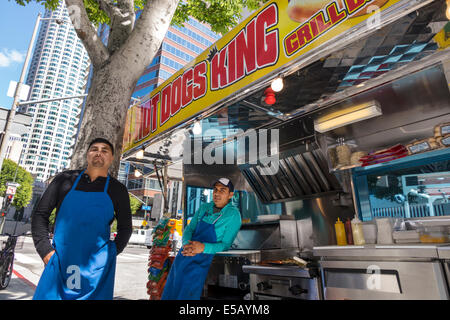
348, 231
340, 233
358, 235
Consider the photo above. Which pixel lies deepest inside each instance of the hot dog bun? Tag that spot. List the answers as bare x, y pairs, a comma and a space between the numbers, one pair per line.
302, 10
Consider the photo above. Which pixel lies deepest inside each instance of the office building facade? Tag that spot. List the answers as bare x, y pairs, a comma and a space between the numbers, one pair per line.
180, 46
59, 68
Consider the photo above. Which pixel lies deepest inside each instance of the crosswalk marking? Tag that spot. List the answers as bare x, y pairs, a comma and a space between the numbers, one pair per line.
25, 259
136, 257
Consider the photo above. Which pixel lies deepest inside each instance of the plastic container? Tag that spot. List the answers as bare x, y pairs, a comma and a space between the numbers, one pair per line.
341, 238
384, 231
348, 231
358, 235
370, 232
434, 234
343, 153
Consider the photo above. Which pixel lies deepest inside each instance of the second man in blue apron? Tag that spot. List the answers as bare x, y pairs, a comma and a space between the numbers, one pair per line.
211, 230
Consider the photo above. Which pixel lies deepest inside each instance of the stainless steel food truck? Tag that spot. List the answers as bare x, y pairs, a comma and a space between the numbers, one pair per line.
332, 119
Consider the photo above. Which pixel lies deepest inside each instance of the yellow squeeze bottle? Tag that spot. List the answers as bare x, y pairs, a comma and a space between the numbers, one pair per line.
341, 238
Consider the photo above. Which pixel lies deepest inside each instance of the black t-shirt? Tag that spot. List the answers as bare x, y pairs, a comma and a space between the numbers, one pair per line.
55, 194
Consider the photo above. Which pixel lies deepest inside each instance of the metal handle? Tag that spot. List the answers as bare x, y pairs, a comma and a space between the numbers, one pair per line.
296, 290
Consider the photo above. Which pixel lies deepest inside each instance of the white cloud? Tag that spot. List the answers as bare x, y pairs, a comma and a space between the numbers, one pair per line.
7, 57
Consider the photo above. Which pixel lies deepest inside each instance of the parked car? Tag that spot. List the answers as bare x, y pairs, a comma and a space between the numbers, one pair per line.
138, 236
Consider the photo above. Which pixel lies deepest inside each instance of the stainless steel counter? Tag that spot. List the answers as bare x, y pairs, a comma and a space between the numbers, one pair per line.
419, 250
444, 252
396, 271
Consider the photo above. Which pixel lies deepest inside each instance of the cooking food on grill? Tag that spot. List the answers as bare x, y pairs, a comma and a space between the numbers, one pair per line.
295, 261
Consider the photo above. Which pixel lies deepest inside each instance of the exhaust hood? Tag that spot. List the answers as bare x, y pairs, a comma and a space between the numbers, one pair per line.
302, 173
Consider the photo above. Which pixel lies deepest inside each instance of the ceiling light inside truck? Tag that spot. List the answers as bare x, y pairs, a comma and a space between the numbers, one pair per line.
347, 116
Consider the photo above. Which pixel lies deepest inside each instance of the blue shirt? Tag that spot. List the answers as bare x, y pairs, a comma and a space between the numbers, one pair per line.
226, 227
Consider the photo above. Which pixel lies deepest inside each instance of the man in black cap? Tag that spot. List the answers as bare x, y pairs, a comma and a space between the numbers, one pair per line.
81, 259
211, 230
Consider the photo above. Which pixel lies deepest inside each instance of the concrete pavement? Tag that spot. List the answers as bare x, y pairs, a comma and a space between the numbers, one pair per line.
130, 282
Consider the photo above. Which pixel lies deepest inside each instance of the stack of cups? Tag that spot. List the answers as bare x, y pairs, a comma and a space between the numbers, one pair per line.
384, 227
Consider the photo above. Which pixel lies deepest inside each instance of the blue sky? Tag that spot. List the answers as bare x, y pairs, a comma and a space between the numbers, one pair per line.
16, 25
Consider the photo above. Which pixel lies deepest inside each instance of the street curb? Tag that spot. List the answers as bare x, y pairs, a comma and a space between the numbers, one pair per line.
25, 280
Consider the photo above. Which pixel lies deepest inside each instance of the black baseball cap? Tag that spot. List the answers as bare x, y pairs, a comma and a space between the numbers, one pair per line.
101, 140
226, 182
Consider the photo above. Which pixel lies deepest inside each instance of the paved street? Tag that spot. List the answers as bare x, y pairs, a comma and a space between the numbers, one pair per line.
130, 283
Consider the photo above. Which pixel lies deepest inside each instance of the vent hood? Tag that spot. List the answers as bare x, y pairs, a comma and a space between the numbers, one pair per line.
302, 173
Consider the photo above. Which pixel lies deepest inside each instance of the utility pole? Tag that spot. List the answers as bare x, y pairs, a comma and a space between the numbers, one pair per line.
12, 112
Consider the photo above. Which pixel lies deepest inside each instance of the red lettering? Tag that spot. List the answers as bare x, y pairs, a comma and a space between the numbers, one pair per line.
353, 5
199, 80
304, 35
219, 70
145, 119
291, 43
165, 105
334, 14
266, 43
245, 51
154, 104
231, 64
175, 105
321, 24
186, 96
314, 28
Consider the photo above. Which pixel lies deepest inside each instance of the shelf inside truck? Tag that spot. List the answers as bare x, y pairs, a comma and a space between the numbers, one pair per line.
418, 250
406, 162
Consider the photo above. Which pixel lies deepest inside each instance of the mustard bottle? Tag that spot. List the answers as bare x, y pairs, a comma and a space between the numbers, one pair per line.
340, 233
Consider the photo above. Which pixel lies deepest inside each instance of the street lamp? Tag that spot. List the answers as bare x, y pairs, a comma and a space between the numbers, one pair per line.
12, 112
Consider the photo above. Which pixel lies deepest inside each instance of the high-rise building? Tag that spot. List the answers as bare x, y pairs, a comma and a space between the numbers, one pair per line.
180, 46
59, 68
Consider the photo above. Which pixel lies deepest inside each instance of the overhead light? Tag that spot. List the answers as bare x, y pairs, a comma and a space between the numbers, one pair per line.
347, 116
140, 154
205, 192
277, 84
137, 173
197, 129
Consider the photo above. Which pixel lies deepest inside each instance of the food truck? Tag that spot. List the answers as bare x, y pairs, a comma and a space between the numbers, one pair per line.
332, 119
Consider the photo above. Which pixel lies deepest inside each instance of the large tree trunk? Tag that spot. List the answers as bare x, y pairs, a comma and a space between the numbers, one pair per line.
105, 112
116, 69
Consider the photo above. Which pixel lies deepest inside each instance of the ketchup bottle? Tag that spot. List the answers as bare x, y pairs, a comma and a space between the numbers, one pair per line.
348, 231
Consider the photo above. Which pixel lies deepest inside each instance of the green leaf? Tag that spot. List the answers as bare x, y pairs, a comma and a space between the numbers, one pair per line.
24, 192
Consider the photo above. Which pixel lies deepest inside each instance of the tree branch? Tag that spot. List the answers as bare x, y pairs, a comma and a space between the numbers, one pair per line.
122, 24
109, 7
87, 33
148, 33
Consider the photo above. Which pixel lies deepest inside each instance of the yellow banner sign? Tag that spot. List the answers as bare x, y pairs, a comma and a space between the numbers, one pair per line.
276, 34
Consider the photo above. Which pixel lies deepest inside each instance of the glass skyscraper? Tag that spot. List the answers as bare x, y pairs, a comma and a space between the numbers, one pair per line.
180, 46
59, 68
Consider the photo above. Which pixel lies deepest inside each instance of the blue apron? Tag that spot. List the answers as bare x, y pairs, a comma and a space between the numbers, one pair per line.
84, 263
188, 274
